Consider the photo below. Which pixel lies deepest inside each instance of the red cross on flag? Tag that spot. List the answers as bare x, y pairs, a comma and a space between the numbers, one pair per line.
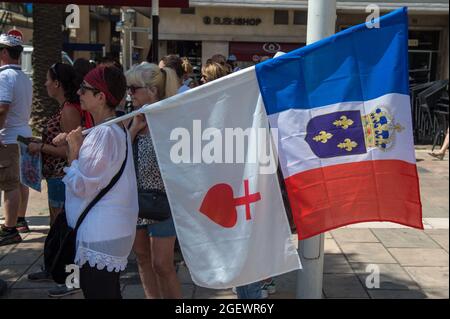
214, 152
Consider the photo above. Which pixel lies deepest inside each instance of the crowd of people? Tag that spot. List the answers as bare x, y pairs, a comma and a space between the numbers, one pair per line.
77, 168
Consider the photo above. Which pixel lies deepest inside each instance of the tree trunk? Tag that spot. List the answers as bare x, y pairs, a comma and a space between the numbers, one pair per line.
47, 43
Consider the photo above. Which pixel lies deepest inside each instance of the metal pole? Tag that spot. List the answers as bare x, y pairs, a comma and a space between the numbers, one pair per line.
321, 24
155, 31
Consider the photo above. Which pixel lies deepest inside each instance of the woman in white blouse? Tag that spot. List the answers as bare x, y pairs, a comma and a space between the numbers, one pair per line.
106, 236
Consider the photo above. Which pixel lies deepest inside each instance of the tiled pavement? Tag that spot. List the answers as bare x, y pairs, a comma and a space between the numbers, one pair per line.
411, 263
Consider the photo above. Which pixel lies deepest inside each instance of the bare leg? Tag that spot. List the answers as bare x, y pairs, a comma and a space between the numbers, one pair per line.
12, 199
162, 249
23, 204
142, 250
441, 153
445, 145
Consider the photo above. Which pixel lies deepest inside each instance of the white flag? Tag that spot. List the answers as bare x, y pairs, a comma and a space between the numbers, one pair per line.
227, 206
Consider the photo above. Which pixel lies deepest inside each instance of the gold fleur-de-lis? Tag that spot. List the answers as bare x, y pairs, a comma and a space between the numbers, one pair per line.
323, 137
344, 122
348, 145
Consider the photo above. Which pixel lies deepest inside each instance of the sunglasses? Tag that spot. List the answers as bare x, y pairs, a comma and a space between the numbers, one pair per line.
84, 88
54, 69
133, 89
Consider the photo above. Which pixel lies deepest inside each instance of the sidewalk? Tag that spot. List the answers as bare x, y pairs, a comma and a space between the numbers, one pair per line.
412, 263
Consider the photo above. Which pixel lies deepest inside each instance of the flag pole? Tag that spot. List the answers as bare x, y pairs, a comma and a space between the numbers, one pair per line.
321, 24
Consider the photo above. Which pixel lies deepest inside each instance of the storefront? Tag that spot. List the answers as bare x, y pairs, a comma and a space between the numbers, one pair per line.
260, 29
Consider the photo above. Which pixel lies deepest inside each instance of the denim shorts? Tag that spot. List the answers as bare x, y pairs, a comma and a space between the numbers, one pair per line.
165, 228
56, 192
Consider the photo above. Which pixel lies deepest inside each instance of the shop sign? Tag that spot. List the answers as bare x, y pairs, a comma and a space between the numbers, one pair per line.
231, 21
271, 47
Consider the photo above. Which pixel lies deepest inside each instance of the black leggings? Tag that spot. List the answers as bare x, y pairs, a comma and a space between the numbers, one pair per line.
99, 284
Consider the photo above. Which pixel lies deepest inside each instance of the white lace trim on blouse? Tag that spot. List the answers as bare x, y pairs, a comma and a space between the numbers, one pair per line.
112, 263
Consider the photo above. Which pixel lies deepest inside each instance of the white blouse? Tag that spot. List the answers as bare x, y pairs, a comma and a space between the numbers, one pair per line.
106, 236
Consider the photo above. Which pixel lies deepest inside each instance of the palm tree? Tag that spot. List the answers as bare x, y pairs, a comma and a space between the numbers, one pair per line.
47, 43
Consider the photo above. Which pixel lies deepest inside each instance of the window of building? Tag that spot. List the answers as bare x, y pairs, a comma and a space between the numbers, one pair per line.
301, 17
281, 17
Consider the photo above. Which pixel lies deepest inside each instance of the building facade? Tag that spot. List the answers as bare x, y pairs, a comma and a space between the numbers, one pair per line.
247, 29
251, 29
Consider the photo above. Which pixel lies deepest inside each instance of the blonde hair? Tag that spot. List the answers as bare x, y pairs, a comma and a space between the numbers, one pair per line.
187, 66
213, 71
150, 75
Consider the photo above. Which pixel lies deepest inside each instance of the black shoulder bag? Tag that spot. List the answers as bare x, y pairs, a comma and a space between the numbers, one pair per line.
60, 245
153, 204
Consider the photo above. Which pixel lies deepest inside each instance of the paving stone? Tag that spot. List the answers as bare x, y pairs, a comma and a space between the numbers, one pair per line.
439, 223
336, 264
283, 295
367, 253
404, 238
12, 274
343, 286
285, 284
440, 236
420, 256
184, 275
350, 235
392, 276
437, 294
331, 247
133, 292
397, 294
24, 283
21, 257
77, 295
27, 294
187, 291
430, 277
205, 293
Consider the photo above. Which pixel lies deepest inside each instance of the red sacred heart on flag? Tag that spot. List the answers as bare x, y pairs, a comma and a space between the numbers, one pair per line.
219, 204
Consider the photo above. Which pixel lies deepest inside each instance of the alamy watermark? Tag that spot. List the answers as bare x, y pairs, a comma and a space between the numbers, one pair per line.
73, 279
225, 146
373, 19
73, 17
373, 279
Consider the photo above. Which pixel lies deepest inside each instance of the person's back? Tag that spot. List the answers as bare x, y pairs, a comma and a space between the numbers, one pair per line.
16, 89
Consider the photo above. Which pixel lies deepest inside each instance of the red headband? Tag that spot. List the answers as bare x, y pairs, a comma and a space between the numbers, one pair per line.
96, 78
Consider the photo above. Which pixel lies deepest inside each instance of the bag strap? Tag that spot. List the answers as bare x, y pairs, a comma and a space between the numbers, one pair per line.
106, 189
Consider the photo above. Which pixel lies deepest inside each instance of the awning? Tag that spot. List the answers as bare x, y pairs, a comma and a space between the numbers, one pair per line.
127, 3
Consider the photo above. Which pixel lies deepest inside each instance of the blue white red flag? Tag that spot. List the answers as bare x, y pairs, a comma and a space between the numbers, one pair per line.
343, 114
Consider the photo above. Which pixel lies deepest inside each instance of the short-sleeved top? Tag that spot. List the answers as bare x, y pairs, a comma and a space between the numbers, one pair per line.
17, 91
53, 166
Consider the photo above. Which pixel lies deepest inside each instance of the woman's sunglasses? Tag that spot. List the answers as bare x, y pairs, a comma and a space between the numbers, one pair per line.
84, 88
133, 89
54, 69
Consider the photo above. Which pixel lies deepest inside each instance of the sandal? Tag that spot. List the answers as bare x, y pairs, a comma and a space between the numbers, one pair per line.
437, 155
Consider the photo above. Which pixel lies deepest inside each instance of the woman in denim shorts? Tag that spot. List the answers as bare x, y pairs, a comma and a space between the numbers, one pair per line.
154, 243
62, 85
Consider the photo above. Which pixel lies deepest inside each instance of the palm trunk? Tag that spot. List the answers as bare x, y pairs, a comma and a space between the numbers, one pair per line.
47, 43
